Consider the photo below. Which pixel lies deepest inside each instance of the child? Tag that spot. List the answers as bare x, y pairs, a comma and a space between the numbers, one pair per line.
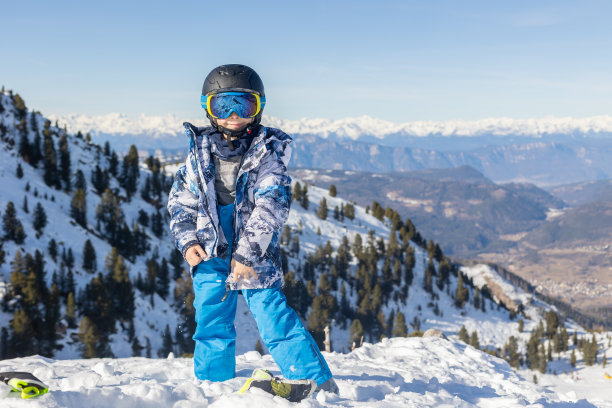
228, 204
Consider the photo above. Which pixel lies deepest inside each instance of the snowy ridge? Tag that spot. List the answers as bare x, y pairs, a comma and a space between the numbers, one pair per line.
352, 128
398, 372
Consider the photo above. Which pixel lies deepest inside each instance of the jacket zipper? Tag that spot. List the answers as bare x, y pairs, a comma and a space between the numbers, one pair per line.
227, 286
202, 180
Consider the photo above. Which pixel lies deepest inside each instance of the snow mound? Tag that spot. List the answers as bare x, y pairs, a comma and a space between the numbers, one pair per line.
397, 372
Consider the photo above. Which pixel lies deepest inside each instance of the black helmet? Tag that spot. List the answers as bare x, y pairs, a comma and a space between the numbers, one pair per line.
238, 78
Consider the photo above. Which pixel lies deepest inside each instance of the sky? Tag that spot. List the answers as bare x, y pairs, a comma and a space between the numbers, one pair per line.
395, 60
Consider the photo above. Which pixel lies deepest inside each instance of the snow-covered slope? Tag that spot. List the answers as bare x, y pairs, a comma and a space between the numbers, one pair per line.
388, 373
398, 372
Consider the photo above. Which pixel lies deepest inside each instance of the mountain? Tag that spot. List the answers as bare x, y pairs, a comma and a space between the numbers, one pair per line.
461, 209
568, 256
545, 152
367, 275
583, 193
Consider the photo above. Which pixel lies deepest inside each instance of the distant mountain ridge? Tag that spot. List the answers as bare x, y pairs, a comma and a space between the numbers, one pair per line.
361, 127
546, 152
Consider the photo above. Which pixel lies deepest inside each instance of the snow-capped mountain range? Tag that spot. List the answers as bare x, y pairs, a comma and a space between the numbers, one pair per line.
356, 128
394, 372
546, 151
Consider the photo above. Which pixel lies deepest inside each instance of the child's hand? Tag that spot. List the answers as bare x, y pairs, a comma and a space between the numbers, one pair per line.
241, 271
194, 255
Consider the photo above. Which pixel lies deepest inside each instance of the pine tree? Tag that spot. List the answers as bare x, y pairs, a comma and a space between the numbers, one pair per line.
136, 347
99, 179
474, 340
22, 341
97, 301
130, 172
89, 257
2, 253
110, 216
589, 351
166, 343
322, 210
430, 271
552, 323
79, 180
51, 174
24, 148
5, 351
71, 311
36, 152
163, 279
573, 358
52, 248
40, 218
349, 211
24, 206
121, 286
113, 164
304, 201
297, 192
176, 260
532, 355
19, 172
564, 338
542, 361
461, 295
13, 229
333, 191
89, 337
78, 208
511, 352
399, 326
157, 224
355, 333
463, 334
64, 164
20, 106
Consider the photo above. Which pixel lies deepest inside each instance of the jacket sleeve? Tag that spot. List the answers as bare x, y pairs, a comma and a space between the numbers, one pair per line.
272, 198
183, 207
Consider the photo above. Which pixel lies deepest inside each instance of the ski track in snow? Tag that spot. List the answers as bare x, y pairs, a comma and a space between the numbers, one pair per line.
398, 372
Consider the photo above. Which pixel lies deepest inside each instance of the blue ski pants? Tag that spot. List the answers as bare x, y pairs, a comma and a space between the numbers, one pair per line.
289, 343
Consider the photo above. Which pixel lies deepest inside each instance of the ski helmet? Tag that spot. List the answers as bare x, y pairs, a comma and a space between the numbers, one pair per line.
233, 78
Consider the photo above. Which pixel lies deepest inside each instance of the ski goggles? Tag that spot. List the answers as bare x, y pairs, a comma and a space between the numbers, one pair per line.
222, 104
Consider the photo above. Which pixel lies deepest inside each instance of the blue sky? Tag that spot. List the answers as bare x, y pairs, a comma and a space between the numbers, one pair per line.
395, 60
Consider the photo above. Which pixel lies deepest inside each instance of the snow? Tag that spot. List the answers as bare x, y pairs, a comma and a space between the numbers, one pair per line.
351, 128
398, 372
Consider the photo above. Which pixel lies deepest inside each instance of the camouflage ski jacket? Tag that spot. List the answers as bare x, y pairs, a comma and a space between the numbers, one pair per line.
263, 197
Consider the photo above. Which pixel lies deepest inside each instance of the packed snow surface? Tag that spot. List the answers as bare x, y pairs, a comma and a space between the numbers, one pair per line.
397, 372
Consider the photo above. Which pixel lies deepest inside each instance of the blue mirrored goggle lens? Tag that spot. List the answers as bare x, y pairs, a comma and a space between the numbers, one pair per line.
223, 104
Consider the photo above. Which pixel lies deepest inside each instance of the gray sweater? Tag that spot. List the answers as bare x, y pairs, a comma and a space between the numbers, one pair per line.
226, 172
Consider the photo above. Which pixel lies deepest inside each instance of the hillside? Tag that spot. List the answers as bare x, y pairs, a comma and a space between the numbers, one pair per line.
368, 273
568, 256
583, 193
465, 212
